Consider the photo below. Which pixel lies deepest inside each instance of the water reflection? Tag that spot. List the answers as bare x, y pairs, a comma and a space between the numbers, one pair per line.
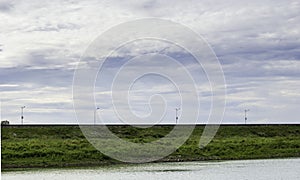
233, 170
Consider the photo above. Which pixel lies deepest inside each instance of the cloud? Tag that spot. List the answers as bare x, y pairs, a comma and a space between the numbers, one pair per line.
6, 6
257, 43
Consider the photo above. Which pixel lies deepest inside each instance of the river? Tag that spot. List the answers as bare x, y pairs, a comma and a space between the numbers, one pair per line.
233, 170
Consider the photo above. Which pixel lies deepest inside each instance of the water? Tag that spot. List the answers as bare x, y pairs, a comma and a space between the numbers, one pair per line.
233, 170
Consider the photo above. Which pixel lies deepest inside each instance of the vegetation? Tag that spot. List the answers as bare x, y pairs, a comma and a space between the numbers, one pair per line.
64, 146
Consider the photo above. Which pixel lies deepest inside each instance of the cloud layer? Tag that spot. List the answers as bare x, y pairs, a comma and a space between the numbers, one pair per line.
256, 42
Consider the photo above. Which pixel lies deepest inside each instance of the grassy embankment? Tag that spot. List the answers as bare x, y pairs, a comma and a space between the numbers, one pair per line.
62, 146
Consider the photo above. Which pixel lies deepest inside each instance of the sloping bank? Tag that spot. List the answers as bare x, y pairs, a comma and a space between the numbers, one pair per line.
65, 146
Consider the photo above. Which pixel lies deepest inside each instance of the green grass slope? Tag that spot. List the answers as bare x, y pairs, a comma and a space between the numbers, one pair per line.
64, 146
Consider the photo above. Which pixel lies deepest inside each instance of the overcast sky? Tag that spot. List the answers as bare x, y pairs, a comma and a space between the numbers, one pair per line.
257, 43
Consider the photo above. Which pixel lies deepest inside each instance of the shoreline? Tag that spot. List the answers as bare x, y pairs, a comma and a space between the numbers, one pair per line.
122, 165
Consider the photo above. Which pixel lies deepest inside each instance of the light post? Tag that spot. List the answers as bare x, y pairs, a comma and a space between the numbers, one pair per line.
177, 109
246, 110
95, 111
22, 114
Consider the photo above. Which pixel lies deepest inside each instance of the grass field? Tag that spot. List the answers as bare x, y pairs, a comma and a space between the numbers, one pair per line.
66, 146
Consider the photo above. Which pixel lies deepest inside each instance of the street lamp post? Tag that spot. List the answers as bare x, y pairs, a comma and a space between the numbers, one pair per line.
22, 114
177, 109
95, 111
246, 110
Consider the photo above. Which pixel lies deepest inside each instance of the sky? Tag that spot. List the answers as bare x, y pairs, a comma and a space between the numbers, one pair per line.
257, 44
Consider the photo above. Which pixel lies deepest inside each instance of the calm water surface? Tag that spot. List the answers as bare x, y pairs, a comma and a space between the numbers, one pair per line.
233, 170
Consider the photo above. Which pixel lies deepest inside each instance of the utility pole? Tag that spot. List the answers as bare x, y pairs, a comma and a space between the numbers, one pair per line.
22, 114
176, 109
95, 111
246, 110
